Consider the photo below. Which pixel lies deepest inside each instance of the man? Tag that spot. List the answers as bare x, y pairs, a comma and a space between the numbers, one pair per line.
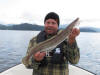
56, 61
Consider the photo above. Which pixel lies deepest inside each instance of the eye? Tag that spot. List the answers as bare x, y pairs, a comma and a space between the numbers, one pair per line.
48, 22
53, 23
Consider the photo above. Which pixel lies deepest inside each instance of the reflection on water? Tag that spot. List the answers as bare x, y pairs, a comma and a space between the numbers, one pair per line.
13, 46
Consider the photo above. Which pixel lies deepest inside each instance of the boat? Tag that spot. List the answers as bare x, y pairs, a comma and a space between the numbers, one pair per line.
22, 70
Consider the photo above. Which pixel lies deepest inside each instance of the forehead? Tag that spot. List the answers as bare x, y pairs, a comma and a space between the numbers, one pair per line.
51, 20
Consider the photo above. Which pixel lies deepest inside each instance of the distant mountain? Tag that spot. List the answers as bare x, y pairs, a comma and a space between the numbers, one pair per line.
84, 29
24, 26
27, 26
3, 27
89, 29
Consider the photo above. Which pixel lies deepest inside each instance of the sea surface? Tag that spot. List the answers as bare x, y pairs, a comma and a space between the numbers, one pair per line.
13, 47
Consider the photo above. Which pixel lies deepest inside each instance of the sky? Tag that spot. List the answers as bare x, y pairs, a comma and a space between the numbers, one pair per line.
34, 11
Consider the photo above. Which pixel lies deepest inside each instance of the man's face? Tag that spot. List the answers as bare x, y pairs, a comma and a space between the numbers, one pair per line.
51, 26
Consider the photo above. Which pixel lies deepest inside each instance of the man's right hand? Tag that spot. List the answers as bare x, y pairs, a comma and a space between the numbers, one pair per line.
39, 56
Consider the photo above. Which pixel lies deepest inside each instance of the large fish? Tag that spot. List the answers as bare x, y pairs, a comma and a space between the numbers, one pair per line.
51, 43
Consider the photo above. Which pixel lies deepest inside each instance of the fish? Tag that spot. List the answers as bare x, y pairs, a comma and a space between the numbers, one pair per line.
53, 42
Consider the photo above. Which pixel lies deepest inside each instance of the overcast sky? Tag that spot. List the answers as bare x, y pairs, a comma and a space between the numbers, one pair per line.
34, 11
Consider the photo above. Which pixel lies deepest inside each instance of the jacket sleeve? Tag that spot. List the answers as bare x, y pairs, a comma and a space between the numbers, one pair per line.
31, 63
72, 53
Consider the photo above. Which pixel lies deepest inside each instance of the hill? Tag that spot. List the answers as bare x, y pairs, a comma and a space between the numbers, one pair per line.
84, 29
89, 29
24, 26
27, 26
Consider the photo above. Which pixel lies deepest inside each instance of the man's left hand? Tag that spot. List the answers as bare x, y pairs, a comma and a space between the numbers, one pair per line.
75, 32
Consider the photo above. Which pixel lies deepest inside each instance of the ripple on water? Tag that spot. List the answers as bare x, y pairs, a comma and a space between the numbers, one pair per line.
14, 47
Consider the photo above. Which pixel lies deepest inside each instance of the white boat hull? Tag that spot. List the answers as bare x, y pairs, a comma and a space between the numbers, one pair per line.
21, 70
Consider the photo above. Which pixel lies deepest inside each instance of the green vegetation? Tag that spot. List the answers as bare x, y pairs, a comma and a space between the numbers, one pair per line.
24, 26
27, 26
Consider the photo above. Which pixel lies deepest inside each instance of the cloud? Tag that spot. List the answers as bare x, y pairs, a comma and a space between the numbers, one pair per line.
27, 17
34, 11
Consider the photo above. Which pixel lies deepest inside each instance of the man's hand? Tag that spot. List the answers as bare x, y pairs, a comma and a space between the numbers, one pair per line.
39, 56
75, 32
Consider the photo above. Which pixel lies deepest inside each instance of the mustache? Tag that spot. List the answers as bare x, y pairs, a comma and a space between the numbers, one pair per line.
49, 28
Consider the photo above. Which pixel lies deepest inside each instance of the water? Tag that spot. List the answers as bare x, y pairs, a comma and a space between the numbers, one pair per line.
13, 46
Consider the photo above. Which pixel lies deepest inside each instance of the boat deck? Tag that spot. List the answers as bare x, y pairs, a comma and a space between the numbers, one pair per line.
21, 70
